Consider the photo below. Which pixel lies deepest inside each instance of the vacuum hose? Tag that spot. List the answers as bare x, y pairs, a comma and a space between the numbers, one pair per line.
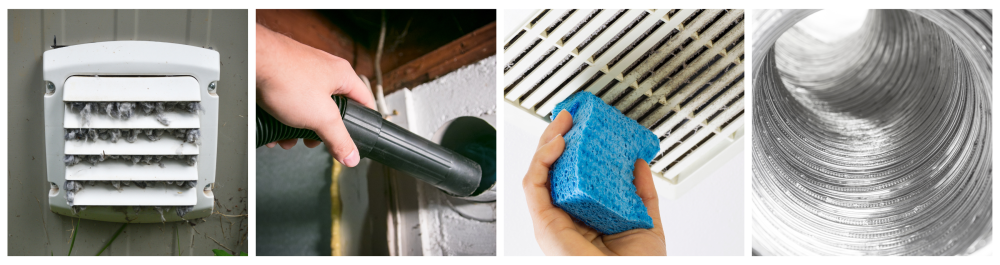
390, 145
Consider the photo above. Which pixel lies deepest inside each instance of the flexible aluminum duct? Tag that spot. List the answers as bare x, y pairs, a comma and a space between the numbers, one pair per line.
875, 144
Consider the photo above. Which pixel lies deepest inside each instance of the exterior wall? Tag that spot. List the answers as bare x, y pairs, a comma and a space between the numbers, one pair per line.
32, 228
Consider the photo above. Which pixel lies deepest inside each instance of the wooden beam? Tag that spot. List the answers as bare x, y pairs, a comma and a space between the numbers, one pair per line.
468, 49
310, 28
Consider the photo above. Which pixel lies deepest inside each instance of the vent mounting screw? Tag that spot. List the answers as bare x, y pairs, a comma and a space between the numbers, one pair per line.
49, 87
211, 86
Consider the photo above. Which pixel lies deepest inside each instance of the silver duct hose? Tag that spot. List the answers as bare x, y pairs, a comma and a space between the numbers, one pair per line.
876, 144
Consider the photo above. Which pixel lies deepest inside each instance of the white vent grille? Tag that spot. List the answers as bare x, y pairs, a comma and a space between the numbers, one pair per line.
131, 72
677, 72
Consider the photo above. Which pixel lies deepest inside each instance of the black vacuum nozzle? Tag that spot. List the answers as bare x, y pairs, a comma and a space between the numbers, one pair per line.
389, 144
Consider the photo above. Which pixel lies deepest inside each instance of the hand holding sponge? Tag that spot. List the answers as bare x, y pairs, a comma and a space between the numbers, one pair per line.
592, 180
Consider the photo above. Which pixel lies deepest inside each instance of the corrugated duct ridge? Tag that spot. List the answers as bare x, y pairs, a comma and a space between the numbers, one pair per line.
876, 144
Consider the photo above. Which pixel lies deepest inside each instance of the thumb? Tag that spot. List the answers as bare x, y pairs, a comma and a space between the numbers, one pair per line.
335, 135
647, 192
351, 86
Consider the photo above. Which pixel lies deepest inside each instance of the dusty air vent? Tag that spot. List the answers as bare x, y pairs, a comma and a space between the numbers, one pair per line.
131, 130
677, 72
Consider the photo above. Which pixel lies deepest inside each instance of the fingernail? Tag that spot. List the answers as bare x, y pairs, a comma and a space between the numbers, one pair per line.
352, 159
556, 116
554, 137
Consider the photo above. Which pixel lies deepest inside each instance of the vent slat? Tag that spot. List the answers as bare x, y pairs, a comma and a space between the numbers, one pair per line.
732, 120
635, 43
650, 52
607, 87
549, 104
583, 34
527, 72
123, 170
614, 102
590, 81
600, 30
572, 32
660, 121
545, 78
645, 115
111, 89
618, 36
561, 85
538, 17
721, 109
612, 28
670, 15
167, 145
178, 120
710, 97
514, 39
519, 56
689, 151
558, 22
697, 13
708, 87
160, 195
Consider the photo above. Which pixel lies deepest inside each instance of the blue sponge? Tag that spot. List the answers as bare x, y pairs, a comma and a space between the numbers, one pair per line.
592, 180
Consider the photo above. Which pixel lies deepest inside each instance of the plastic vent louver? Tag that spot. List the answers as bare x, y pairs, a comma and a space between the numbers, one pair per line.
162, 184
677, 72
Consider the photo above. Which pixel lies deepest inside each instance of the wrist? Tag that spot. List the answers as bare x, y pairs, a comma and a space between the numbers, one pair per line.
264, 52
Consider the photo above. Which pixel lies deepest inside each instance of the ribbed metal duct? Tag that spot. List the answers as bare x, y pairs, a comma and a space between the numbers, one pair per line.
875, 144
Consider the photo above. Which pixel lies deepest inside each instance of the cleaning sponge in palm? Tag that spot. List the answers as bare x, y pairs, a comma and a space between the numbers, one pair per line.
592, 180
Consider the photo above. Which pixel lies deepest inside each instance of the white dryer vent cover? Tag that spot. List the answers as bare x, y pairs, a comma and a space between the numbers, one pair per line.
131, 130
677, 72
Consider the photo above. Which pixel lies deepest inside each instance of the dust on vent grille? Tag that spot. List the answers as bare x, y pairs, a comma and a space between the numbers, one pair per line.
677, 72
125, 130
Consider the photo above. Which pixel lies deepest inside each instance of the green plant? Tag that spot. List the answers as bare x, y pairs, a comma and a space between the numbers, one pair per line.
112, 239
219, 252
73, 240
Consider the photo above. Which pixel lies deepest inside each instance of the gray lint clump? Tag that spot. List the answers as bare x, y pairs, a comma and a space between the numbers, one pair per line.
72, 160
131, 135
125, 110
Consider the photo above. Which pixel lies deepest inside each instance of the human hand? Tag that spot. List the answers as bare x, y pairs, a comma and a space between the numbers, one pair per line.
555, 230
295, 83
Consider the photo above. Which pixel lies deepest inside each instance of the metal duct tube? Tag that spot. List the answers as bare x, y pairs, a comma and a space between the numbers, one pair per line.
390, 145
875, 144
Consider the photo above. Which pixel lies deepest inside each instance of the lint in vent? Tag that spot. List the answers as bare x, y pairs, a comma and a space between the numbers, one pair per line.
131, 130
